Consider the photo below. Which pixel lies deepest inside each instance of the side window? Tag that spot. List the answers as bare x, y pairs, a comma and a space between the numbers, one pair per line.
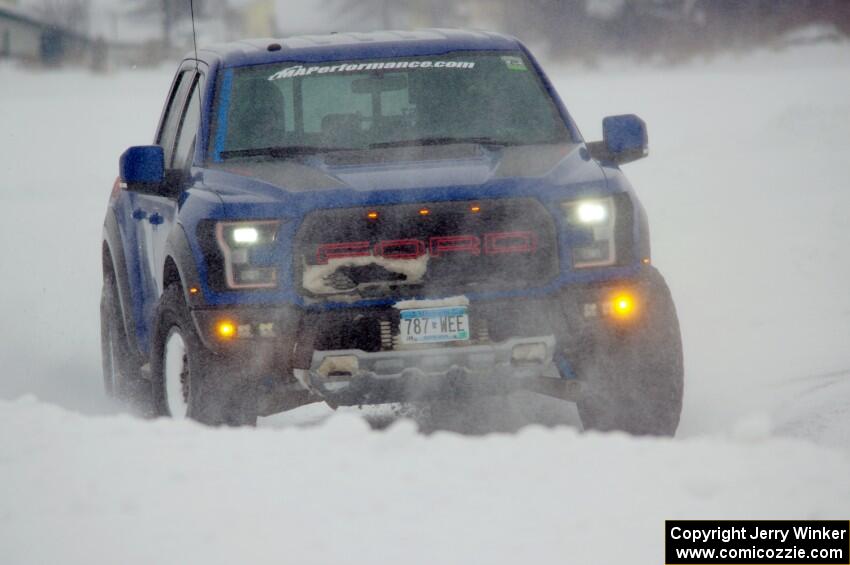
168, 129
189, 123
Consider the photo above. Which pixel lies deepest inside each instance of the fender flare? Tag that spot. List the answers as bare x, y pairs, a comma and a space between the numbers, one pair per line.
179, 253
112, 240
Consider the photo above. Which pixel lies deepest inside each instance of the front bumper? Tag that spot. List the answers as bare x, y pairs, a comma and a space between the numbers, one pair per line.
572, 324
351, 377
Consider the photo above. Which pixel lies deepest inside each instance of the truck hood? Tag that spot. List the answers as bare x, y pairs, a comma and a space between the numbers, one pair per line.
364, 173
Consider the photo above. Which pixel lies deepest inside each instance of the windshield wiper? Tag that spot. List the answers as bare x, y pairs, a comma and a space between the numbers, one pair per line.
282, 151
442, 141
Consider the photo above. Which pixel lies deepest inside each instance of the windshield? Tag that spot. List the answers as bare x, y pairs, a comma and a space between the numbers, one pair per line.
292, 108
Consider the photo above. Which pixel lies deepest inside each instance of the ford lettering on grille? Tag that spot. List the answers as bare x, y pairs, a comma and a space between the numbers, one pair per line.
493, 244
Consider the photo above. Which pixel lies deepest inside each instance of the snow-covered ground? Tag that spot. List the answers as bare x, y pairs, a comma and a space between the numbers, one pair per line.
749, 205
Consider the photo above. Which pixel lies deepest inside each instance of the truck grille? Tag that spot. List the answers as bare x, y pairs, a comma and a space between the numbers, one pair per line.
415, 249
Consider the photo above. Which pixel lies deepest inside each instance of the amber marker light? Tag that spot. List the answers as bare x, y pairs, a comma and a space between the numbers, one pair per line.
475, 208
424, 211
646, 260
623, 305
372, 215
193, 290
225, 329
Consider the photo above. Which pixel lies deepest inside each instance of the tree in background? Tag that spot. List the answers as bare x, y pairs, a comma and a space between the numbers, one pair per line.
573, 29
673, 29
384, 13
168, 12
398, 14
563, 24
172, 13
583, 29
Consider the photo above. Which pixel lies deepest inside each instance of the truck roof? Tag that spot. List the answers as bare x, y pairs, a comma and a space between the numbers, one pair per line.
354, 45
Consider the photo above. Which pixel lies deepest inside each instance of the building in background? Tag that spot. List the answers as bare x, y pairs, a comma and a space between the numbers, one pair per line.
25, 36
20, 34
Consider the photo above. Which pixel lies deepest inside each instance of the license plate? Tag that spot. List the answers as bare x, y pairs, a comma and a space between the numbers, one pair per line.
434, 325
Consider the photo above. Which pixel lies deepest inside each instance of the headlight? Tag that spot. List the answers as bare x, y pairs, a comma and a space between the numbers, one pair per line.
248, 235
247, 250
593, 219
591, 212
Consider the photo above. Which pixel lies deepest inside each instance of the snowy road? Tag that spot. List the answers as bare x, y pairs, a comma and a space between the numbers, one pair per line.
748, 198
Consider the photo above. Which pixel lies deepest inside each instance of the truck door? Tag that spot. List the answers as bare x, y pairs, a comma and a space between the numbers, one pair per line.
164, 209
155, 214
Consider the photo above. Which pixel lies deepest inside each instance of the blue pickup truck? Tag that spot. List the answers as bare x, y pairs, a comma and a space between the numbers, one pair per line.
369, 218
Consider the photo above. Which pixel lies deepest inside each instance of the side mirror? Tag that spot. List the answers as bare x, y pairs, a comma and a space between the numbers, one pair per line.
624, 139
142, 168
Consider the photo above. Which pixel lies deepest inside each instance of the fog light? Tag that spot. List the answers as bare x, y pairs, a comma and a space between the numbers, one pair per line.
529, 353
225, 329
339, 365
623, 305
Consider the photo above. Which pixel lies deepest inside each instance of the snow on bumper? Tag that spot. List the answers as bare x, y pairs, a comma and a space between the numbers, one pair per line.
359, 377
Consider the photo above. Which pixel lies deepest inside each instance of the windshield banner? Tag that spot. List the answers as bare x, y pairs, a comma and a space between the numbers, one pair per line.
301, 70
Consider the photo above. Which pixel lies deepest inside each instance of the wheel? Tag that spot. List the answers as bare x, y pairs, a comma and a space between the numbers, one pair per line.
190, 381
176, 375
634, 381
122, 376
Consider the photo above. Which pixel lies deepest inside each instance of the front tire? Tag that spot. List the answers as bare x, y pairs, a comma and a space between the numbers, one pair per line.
190, 381
176, 375
634, 381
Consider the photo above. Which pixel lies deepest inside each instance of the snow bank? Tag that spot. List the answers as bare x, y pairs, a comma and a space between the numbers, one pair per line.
119, 490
